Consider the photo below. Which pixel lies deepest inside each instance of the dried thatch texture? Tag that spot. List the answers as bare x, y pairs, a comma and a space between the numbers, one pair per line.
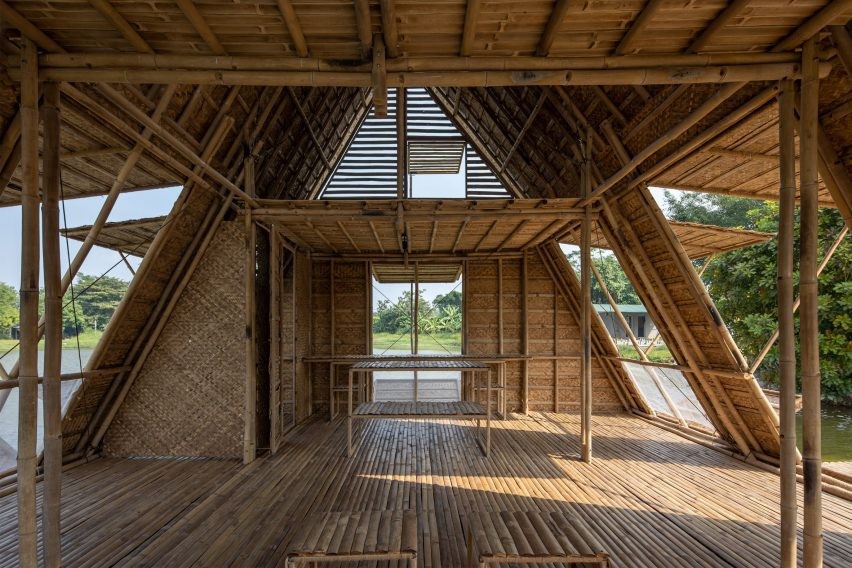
188, 398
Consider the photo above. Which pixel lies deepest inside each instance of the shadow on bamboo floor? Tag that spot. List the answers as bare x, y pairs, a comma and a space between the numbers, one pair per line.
699, 508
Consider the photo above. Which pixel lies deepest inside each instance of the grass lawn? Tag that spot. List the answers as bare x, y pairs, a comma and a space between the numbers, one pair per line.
434, 342
88, 339
657, 355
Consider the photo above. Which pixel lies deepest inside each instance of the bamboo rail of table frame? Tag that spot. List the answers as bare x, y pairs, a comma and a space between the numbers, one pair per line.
365, 367
367, 391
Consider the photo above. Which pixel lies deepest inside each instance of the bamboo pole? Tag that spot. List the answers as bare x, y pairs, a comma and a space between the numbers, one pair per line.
787, 348
51, 389
379, 78
28, 377
525, 340
809, 317
250, 422
585, 312
401, 145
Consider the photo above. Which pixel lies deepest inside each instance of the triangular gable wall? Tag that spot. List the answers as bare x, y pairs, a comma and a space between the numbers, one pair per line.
368, 168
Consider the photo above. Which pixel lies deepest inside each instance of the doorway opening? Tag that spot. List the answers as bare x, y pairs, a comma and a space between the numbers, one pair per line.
417, 311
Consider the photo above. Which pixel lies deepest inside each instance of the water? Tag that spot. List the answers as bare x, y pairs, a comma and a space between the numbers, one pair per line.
70, 360
836, 433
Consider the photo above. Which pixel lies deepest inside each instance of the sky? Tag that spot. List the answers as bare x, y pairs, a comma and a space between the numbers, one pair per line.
79, 212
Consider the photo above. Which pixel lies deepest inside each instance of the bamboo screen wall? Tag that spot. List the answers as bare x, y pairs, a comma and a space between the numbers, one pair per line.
552, 329
188, 398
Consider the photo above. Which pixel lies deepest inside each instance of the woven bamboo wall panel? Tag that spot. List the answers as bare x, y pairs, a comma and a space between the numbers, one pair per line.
188, 398
302, 346
547, 380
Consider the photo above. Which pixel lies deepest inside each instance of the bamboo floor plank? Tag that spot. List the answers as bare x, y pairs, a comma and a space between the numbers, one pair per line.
649, 497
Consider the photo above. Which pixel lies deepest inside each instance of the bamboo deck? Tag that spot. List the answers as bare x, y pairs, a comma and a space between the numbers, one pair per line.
650, 497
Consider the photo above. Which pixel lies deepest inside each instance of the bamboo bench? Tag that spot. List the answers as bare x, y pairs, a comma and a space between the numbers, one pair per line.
529, 537
350, 537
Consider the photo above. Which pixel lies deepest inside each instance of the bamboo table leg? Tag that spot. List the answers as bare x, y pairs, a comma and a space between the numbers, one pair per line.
349, 416
488, 413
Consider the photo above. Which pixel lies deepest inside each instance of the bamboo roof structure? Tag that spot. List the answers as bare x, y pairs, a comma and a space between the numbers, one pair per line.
261, 110
134, 237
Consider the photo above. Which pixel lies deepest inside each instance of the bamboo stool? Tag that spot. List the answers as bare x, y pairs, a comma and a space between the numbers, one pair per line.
529, 537
350, 537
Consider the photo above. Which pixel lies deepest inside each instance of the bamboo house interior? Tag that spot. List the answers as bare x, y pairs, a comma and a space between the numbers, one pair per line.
231, 413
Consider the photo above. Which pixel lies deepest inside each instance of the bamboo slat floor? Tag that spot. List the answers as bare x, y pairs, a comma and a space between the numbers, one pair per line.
650, 497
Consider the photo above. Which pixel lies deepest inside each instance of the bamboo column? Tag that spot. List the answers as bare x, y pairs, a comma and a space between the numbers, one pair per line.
51, 389
787, 347
585, 312
401, 145
250, 411
28, 359
808, 316
526, 332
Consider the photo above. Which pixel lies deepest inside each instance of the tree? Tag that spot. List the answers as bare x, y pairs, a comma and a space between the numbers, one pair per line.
712, 209
8, 308
97, 297
743, 283
444, 301
616, 280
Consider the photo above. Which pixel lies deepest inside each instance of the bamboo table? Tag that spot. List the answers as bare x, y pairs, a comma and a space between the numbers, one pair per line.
529, 537
350, 537
461, 410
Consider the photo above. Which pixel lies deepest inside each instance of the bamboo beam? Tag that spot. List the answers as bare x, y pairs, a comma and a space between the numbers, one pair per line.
365, 26
51, 389
389, 28
30, 31
809, 317
523, 131
814, 24
641, 23
401, 145
667, 75
731, 11
707, 136
200, 25
317, 144
166, 136
291, 20
130, 62
673, 133
835, 176
843, 43
379, 78
110, 13
787, 349
554, 22
471, 14
767, 158
29, 291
